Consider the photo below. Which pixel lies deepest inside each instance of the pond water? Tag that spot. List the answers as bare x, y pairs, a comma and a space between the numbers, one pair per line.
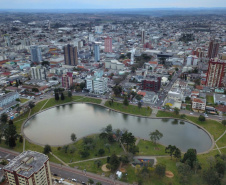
55, 126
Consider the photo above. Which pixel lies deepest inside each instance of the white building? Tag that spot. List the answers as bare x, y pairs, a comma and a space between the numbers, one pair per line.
114, 64
97, 85
28, 168
192, 60
99, 29
8, 98
38, 72
198, 105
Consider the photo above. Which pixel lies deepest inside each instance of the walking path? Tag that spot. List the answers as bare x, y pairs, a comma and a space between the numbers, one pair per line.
20, 120
93, 159
154, 112
44, 104
218, 148
123, 147
103, 101
137, 141
59, 159
221, 136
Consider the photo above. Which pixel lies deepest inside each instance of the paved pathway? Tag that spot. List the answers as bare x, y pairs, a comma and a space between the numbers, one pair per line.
137, 141
93, 159
44, 104
218, 148
221, 136
20, 120
103, 101
154, 112
59, 159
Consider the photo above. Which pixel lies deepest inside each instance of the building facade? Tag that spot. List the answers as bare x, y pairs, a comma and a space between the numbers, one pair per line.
213, 49
8, 98
96, 85
71, 55
108, 45
28, 168
142, 37
151, 84
67, 80
39, 73
36, 55
216, 75
96, 53
198, 105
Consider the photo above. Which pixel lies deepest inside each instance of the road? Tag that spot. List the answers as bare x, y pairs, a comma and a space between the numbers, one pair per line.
66, 172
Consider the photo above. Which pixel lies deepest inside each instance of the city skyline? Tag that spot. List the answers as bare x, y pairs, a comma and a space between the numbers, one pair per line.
107, 4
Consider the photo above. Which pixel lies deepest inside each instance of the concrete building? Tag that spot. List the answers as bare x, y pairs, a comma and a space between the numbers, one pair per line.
36, 55
114, 64
97, 85
142, 37
8, 42
213, 49
67, 80
96, 53
8, 98
38, 72
70, 55
98, 29
28, 168
219, 99
151, 84
108, 45
216, 76
198, 105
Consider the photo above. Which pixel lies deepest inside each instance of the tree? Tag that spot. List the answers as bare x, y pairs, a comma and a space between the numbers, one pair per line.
126, 102
187, 99
4, 118
98, 183
202, 118
139, 104
21, 139
90, 181
176, 110
84, 154
98, 163
134, 149
73, 137
170, 150
47, 149
62, 96
155, 136
114, 162
101, 151
128, 139
57, 96
45, 63
72, 149
10, 122
31, 104
211, 177
35, 89
107, 145
82, 85
184, 171
182, 116
117, 90
189, 157
177, 153
10, 135
69, 94
160, 169
65, 148
223, 122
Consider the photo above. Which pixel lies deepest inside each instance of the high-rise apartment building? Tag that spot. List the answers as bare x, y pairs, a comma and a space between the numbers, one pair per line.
216, 76
8, 42
71, 55
67, 80
142, 37
99, 29
108, 45
213, 49
36, 55
39, 72
96, 53
151, 84
28, 168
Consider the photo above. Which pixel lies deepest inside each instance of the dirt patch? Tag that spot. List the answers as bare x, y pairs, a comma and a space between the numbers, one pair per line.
104, 168
169, 174
123, 170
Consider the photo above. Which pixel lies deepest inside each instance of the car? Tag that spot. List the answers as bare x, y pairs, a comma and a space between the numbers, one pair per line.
83, 183
8, 160
62, 179
55, 174
191, 113
74, 180
220, 118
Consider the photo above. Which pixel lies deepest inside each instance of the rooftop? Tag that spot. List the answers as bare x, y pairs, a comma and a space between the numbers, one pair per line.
27, 163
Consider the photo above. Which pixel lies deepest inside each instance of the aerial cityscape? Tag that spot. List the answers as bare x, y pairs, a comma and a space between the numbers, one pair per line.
112, 92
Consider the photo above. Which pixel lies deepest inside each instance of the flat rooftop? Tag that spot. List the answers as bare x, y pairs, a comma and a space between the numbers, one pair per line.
27, 163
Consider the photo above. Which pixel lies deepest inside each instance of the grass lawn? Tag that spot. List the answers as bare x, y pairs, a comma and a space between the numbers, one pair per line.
223, 151
99, 143
188, 107
149, 148
209, 99
23, 100
19, 121
166, 114
213, 127
86, 99
30, 146
52, 102
38, 106
222, 141
90, 166
131, 109
203, 158
18, 148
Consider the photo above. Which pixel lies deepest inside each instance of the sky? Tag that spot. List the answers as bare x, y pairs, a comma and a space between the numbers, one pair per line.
107, 4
